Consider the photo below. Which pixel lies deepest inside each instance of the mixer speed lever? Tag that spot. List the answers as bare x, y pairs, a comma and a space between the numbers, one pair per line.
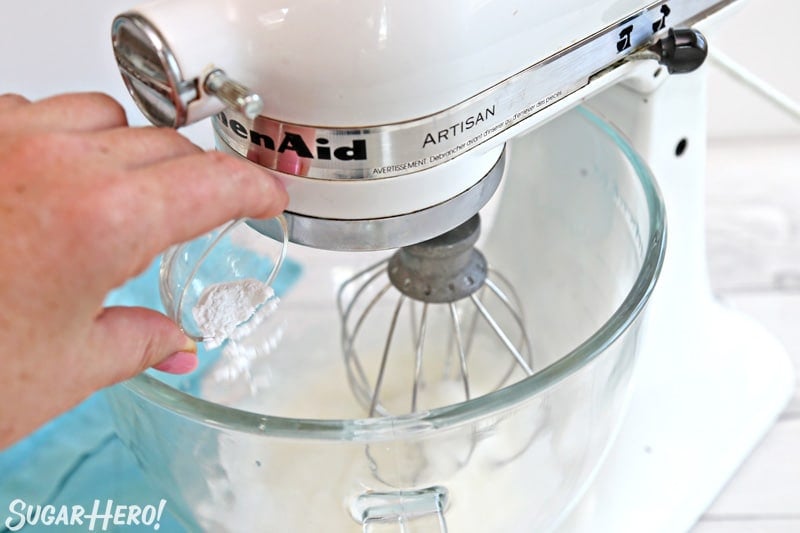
681, 51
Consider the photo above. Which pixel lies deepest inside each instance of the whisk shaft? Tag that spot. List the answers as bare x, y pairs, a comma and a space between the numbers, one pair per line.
462, 357
502, 335
385, 357
423, 324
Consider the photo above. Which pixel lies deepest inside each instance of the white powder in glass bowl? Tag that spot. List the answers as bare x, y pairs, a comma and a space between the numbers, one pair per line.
223, 307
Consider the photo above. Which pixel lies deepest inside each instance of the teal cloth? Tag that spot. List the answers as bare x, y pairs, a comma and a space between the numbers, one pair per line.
77, 458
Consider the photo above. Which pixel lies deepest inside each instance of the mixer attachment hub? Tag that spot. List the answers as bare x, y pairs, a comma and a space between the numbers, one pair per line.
444, 269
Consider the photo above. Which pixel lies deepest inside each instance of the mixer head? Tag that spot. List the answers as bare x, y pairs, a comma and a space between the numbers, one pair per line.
392, 135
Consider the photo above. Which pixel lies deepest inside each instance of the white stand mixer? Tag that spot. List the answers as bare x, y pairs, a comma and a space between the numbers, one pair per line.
388, 100
520, 65
680, 448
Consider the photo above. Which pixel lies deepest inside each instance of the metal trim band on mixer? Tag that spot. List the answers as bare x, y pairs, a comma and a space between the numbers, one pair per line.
385, 151
388, 232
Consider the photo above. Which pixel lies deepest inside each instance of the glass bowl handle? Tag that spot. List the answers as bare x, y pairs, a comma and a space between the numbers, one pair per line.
417, 510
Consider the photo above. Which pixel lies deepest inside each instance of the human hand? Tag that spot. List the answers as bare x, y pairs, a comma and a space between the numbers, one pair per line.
85, 204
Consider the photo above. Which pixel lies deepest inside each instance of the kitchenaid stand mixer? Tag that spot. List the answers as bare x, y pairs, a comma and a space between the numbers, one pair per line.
404, 110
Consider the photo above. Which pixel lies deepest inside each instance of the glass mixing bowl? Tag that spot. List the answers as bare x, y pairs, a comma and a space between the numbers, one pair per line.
282, 444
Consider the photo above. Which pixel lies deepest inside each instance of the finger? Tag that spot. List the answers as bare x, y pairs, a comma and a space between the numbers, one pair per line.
178, 363
192, 195
66, 113
129, 340
138, 147
11, 101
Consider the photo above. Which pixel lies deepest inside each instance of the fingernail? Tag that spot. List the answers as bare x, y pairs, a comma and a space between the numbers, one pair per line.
178, 363
189, 346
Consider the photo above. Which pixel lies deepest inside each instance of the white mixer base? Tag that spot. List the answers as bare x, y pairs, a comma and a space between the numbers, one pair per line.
702, 401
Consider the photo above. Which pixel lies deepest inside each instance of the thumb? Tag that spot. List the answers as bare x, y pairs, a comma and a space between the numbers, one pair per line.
129, 340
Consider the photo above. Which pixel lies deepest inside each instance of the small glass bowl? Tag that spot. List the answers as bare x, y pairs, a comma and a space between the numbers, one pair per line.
231, 254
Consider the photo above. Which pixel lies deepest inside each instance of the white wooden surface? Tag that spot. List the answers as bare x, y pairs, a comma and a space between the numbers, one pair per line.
754, 260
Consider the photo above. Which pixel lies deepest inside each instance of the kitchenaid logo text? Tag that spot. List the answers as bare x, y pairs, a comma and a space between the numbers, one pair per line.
102, 517
294, 142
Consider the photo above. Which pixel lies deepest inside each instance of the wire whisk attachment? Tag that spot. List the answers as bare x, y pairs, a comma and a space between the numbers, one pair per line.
431, 326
